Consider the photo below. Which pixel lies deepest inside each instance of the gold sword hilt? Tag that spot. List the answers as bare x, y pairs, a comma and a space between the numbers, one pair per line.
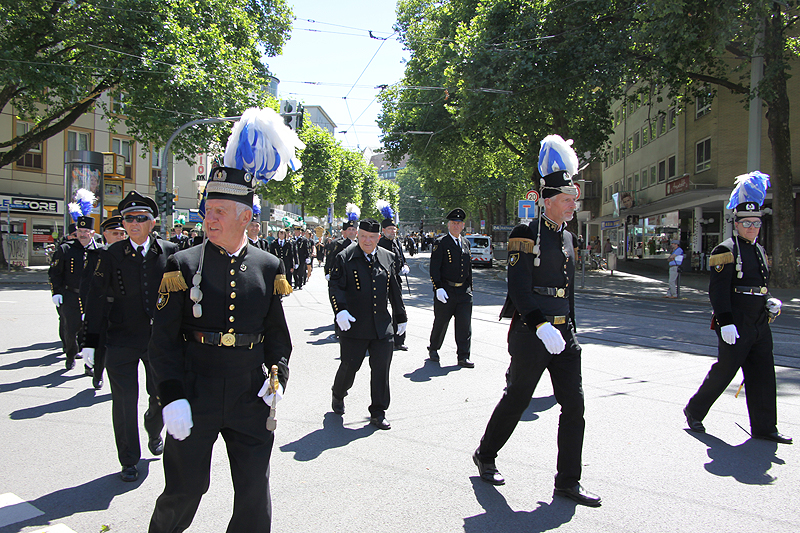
272, 423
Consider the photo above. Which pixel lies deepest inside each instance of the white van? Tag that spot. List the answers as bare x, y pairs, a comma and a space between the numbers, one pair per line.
481, 250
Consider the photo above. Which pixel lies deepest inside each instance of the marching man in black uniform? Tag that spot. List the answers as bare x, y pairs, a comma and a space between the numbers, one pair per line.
451, 273
363, 282
66, 271
743, 309
303, 252
349, 232
283, 249
126, 277
214, 345
390, 242
540, 303
254, 228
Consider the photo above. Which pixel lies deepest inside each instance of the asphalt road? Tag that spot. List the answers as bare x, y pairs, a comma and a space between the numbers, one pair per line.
642, 360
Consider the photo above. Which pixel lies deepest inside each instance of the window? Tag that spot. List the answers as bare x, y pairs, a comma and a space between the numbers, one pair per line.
616, 187
635, 141
673, 117
616, 118
79, 140
118, 104
672, 166
631, 107
630, 145
636, 181
662, 125
703, 105
616, 153
703, 161
605, 195
662, 171
645, 134
652, 132
33, 159
124, 148
156, 159
653, 175
644, 178
630, 183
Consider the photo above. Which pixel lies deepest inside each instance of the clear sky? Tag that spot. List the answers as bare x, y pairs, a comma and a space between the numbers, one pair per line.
331, 61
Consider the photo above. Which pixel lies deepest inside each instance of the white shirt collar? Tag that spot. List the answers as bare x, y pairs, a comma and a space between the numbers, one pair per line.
456, 238
146, 245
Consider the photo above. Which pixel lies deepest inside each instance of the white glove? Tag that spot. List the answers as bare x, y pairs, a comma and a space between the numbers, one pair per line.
177, 417
441, 295
297, 266
58, 299
88, 356
343, 318
327, 277
401, 328
308, 261
83, 317
405, 269
729, 333
551, 338
774, 306
278, 395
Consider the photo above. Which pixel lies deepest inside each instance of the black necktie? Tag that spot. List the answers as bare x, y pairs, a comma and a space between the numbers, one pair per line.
140, 249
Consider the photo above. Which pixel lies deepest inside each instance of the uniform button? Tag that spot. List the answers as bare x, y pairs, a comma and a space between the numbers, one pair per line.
233, 295
233, 283
230, 319
231, 307
233, 272
230, 330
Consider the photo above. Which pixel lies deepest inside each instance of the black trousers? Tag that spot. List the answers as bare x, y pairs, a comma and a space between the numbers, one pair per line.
229, 407
69, 323
459, 305
529, 359
352, 353
300, 274
753, 354
122, 366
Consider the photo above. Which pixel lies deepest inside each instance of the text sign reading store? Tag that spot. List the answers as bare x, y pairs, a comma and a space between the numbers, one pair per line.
31, 205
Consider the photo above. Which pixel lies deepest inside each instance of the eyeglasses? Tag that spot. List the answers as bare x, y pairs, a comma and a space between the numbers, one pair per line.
749, 224
141, 219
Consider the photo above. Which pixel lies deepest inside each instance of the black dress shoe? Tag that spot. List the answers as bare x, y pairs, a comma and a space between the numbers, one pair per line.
97, 382
780, 438
129, 474
694, 424
488, 471
380, 422
337, 405
400, 347
466, 363
156, 445
87, 370
433, 355
579, 495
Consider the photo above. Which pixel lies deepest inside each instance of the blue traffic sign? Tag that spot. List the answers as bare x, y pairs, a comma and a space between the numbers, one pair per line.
527, 209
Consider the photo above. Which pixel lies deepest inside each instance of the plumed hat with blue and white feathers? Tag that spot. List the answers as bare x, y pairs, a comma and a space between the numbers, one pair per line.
749, 193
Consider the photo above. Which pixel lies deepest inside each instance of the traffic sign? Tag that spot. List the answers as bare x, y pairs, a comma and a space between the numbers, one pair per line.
532, 195
527, 209
579, 191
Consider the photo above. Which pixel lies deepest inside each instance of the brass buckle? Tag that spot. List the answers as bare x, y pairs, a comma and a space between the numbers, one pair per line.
560, 294
228, 339
559, 319
763, 290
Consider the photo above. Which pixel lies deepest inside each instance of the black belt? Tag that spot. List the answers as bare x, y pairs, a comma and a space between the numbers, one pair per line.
756, 291
454, 284
73, 289
213, 338
556, 320
557, 292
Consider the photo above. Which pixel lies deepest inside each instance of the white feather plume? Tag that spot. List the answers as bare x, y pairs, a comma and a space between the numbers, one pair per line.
556, 154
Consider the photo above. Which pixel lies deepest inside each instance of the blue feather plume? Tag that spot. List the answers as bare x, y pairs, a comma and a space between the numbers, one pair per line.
74, 211
750, 187
85, 200
353, 212
385, 209
256, 206
556, 154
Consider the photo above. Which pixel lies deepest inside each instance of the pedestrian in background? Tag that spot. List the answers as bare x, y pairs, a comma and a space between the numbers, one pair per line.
674, 260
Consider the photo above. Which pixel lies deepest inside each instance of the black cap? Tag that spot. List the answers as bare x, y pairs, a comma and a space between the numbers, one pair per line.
747, 210
457, 214
72, 228
134, 201
348, 224
371, 225
226, 183
114, 222
556, 183
86, 223
387, 222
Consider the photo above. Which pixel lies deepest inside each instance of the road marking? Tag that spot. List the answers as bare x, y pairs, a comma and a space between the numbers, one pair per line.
13, 510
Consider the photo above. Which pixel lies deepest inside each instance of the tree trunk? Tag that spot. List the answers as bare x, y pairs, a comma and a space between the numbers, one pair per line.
784, 269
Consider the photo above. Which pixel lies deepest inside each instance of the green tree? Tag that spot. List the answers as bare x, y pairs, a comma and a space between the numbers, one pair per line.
166, 62
351, 181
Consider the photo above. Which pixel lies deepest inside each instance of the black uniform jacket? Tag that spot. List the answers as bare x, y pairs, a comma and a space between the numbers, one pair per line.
450, 262
335, 249
365, 292
130, 284
302, 248
241, 295
394, 247
556, 270
755, 274
259, 243
66, 267
286, 253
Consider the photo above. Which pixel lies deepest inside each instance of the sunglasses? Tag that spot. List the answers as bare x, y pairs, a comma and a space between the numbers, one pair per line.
749, 224
141, 219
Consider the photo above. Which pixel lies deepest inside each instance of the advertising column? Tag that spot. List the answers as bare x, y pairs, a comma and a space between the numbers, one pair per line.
83, 170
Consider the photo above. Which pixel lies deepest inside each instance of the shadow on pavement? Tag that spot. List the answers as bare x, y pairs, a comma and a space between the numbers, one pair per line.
53, 379
538, 405
85, 398
94, 495
500, 518
747, 463
332, 435
54, 345
44, 360
430, 370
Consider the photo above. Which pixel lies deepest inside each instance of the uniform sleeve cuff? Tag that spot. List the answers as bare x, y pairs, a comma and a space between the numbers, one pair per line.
533, 319
91, 340
169, 391
724, 319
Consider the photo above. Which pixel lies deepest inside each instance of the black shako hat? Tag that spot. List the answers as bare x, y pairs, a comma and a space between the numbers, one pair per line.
85, 223
72, 228
114, 222
370, 225
457, 214
348, 224
134, 201
226, 183
556, 183
387, 222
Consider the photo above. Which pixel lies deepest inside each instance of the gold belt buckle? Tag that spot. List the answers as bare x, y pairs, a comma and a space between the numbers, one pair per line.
560, 294
229, 339
559, 319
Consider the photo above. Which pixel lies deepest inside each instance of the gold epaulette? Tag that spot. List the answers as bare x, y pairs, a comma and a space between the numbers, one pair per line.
282, 286
172, 282
720, 259
520, 244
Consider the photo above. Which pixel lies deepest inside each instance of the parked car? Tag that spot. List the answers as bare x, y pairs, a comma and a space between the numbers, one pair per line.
481, 250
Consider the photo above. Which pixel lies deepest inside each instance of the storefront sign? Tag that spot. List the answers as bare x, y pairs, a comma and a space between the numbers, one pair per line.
677, 186
31, 205
611, 224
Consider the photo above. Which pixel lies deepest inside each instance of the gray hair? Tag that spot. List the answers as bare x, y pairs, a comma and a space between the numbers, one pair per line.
240, 207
